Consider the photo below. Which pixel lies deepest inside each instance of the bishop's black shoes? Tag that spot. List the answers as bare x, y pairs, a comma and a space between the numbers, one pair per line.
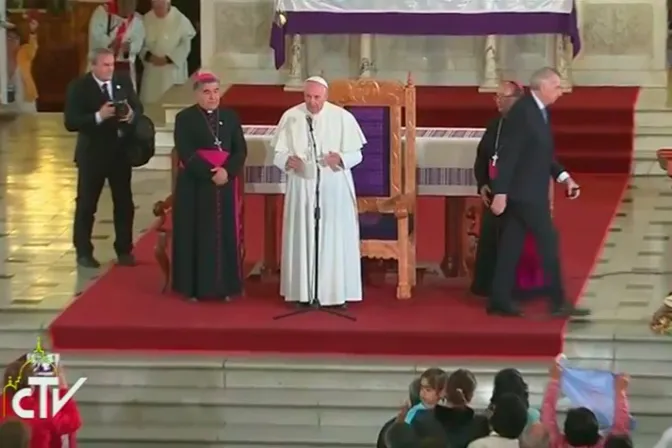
88, 261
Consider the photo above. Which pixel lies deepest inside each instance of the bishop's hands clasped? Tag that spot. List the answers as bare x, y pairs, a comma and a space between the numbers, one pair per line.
220, 176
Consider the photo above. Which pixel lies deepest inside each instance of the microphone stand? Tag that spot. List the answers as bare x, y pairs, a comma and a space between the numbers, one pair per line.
314, 304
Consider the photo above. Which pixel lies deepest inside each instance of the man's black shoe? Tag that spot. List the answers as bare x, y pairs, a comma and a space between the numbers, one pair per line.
568, 310
126, 260
88, 262
504, 311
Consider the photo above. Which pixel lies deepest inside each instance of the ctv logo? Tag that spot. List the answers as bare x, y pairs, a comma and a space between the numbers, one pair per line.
42, 377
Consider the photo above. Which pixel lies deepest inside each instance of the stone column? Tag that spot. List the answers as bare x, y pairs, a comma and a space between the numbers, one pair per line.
562, 60
490, 67
365, 56
295, 79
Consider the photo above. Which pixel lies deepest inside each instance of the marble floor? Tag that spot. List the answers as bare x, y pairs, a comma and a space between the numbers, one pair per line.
37, 192
38, 270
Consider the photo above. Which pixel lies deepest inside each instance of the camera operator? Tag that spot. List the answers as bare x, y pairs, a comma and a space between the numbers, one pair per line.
101, 107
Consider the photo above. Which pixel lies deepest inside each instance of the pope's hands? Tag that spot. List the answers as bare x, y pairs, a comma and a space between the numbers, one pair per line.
333, 161
220, 177
294, 163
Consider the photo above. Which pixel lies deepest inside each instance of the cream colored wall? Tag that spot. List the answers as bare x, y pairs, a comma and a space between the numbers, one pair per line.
624, 43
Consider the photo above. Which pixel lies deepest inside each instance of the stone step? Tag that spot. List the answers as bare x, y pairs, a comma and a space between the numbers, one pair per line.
352, 408
247, 436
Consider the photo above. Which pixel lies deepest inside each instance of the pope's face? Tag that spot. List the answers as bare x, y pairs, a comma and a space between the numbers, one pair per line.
314, 94
208, 96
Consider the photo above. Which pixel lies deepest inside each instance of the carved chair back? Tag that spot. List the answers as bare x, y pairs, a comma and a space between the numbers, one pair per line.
386, 112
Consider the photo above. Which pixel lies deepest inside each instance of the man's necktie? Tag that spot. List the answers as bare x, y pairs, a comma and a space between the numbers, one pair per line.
106, 91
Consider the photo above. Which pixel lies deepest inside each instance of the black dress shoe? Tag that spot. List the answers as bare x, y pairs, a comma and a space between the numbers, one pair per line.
126, 260
88, 262
569, 310
504, 311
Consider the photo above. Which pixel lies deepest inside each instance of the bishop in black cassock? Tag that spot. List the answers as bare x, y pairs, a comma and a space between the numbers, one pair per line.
207, 250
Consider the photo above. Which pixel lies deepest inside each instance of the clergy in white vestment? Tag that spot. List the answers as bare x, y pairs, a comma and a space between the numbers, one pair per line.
167, 46
338, 142
116, 25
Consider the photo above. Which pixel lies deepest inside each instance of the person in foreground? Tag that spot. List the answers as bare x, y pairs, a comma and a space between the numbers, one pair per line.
529, 276
101, 107
207, 201
57, 431
581, 426
521, 188
338, 142
14, 434
507, 424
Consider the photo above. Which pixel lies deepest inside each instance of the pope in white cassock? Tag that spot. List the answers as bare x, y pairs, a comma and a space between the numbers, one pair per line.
339, 141
167, 46
116, 25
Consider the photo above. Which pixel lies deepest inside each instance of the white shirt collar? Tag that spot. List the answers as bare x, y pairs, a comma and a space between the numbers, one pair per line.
538, 101
100, 83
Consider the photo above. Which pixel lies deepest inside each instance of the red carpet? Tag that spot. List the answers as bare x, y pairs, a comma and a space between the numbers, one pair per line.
593, 126
123, 310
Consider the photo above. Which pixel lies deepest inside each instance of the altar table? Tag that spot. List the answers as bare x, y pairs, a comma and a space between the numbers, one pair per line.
423, 18
445, 159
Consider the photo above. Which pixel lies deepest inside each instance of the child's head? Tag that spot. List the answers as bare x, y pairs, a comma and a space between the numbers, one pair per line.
509, 381
509, 417
618, 441
581, 428
460, 387
414, 392
432, 385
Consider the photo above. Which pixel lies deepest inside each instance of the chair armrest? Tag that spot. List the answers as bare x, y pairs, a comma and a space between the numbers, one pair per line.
161, 210
400, 205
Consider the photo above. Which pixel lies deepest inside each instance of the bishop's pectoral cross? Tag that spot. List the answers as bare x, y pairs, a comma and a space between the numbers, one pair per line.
494, 159
218, 143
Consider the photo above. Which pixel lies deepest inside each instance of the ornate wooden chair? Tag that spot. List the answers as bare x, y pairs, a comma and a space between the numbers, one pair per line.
386, 179
164, 235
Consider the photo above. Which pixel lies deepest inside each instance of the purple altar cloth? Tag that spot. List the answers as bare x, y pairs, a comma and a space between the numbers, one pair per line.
449, 24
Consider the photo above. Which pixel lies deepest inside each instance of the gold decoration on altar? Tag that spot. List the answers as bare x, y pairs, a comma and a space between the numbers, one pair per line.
280, 18
661, 322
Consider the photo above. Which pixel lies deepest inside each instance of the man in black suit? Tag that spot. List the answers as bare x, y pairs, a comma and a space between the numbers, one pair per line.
100, 106
521, 187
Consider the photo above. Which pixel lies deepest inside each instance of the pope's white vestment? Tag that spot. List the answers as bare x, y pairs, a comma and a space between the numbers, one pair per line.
335, 130
165, 36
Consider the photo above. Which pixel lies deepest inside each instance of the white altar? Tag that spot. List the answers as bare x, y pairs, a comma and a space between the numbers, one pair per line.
445, 161
623, 43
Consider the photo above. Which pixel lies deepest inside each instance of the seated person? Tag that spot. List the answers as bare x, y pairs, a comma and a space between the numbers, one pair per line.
507, 422
14, 434
432, 386
618, 441
581, 429
454, 413
510, 381
530, 278
413, 399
